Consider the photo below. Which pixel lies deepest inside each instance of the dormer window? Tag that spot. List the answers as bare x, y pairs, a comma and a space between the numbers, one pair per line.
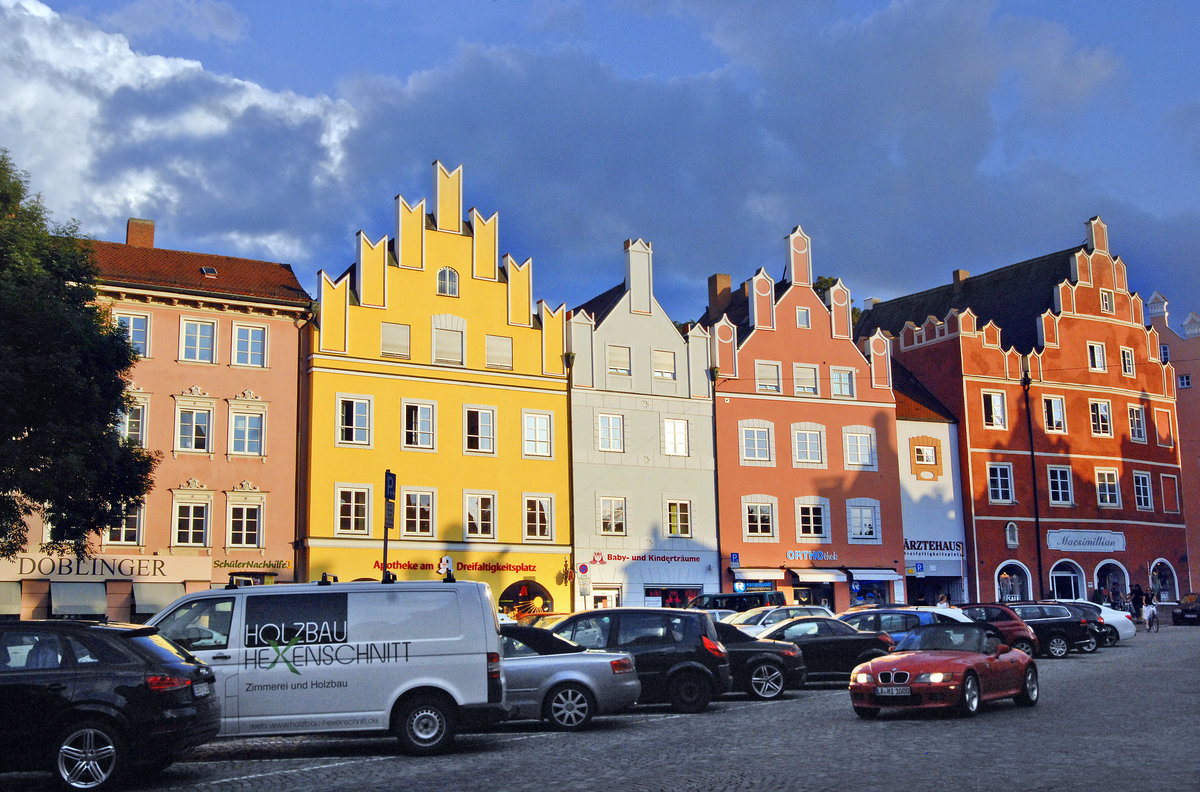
447, 282
208, 272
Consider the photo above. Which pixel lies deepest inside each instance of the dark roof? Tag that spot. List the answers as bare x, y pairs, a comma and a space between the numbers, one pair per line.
179, 271
1012, 297
602, 304
738, 309
914, 402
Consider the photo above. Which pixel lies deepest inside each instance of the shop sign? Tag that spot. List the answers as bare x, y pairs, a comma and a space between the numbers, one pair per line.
262, 565
106, 567
444, 563
754, 585
933, 549
1086, 541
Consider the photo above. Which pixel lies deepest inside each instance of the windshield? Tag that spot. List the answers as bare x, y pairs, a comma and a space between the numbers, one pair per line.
746, 617
943, 637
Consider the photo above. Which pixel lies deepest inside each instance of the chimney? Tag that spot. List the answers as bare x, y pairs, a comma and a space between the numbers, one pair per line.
960, 275
719, 295
139, 233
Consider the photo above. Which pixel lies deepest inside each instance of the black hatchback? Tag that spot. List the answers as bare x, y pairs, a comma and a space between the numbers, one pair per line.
1058, 628
679, 657
89, 701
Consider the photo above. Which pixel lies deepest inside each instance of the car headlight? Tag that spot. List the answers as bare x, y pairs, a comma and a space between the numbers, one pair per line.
934, 677
863, 678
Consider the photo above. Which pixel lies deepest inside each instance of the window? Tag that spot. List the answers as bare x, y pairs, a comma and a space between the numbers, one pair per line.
1101, 419
1054, 413
812, 519
755, 444
1185, 380
1012, 535
353, 514
1137, 424
498, 352
994, 416
129, 532
619, 361
1060, 486
244, 524
925, 455
447, 282
1143, 496
675, 437
1127, 362
198, 341
612, 516
418, 426
249, 345
539, 525
191, 524
538, 439
862, 521
354, 421
803, 320
480, 517
1164, 353
664, 365
1106, 300
767, 377
611, 434
137, 330
133, 424
194, 429
808, 446
1096, 358
418, 512
1164, 429
805, 380
858, 445
841, 383
679, 518
760, 519
247, 434
1000, 483
447, 346
394, 340
480, 424
1108, 493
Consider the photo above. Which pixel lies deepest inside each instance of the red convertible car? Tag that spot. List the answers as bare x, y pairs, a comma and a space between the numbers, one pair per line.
945, 665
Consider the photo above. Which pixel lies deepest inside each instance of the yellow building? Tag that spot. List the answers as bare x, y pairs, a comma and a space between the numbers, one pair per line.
428, 358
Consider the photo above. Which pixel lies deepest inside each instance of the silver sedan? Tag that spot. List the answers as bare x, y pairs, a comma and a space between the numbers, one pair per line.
552, 679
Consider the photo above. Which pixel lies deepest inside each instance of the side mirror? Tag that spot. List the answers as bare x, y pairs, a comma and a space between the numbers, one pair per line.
892, 648
1003, 648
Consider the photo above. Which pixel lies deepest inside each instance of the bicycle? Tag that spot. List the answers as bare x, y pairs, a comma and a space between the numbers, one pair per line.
1152, 621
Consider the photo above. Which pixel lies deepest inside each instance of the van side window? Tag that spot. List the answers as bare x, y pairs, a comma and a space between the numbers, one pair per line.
200, 624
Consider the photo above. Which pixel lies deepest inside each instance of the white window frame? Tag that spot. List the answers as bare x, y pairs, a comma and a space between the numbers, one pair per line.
368, 430
996, 484
1100, 412
925, 455
537, 448
804, 506
191, 499
418, 494
184, 323
994, 405
1137, 423
247, 406
395, 340
1162, 482
841, 382
1097, 356
809, 431
242, 499
141, 406
138, 516
679, 524
498, 352
1160, 417
1164, 353
676, 437
663, 363
768, 376
610, 433
473, 500
1107, 301
858, 509
423, 441
447, 282
1185, 381
756, 430
1143, 491
1054, 414
237, 351
611, 515
852, 445
366, 492
806, 380
546, 501
1108, 488
1060, 485
195, 406
142, 347
488, 439
759, 505
803, 318
1127, 362
441, 339
618, 360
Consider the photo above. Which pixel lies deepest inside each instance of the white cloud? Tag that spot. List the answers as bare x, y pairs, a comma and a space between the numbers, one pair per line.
199, 19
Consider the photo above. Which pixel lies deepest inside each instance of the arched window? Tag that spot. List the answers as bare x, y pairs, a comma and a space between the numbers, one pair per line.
447, 282
1012, 583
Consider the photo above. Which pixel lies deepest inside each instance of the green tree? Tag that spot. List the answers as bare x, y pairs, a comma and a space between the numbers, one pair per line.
63, 368
823, 284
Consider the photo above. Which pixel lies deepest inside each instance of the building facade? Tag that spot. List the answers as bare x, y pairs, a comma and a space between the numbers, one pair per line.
215, 394
642, 449
807, 473
428, 359
1066, 416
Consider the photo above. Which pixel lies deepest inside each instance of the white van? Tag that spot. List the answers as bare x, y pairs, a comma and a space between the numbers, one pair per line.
416, 658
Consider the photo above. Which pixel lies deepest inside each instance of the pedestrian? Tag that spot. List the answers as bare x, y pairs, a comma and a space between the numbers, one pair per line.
1136, 600
943, 601
1148, 609
1097, 596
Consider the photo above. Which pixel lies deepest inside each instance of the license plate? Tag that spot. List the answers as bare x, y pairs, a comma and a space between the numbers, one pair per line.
201, 689
894, 690
1190, 615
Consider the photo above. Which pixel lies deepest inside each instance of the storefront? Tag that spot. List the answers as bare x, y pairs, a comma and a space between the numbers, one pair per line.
933, 567
112, 587
607, 579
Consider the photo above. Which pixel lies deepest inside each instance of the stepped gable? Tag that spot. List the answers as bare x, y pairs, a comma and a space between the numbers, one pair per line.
738, 309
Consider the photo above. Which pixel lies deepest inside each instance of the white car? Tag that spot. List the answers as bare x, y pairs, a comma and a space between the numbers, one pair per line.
757, 620
1118, 624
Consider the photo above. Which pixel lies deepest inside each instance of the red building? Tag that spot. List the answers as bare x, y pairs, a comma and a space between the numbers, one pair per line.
1067, 427
808, 486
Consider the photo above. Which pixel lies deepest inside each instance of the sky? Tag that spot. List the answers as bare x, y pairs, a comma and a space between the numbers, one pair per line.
907, 138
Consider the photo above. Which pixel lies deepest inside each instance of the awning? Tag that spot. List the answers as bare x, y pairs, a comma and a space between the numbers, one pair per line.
77, 599
876, 574
810, 575
150, 598
10, 598
757, 573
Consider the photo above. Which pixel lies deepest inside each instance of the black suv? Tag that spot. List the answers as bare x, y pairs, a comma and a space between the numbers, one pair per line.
679, 657
761, 667
88, 701
1058, 628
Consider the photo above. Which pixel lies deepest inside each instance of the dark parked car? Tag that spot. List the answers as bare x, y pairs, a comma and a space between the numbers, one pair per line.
1089, 615
831, 647
1186, 612
1057, 628
1016, 633
762, 668
738, 602
679, 656
89, 701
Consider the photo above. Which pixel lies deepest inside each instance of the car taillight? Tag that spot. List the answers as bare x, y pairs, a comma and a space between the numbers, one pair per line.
493, 665
622, 665
1100, 619
161, 683
714, 647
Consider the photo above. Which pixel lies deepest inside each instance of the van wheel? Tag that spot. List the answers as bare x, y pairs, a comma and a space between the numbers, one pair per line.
690, 692
89, 755
425, 725
569, 707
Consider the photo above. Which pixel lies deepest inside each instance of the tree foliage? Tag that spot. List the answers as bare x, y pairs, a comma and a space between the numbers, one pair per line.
63, 369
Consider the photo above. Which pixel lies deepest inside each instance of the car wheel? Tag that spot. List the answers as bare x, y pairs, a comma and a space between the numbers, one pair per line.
569, 707
1110, 636
1024, 645
1029, 688
425, 725
1090, 646
867, 713
90, 754
766, 681
968, 704
1057, 647
689, 692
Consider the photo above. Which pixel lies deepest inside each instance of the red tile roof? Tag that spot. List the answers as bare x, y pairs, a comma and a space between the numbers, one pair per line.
179, 271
